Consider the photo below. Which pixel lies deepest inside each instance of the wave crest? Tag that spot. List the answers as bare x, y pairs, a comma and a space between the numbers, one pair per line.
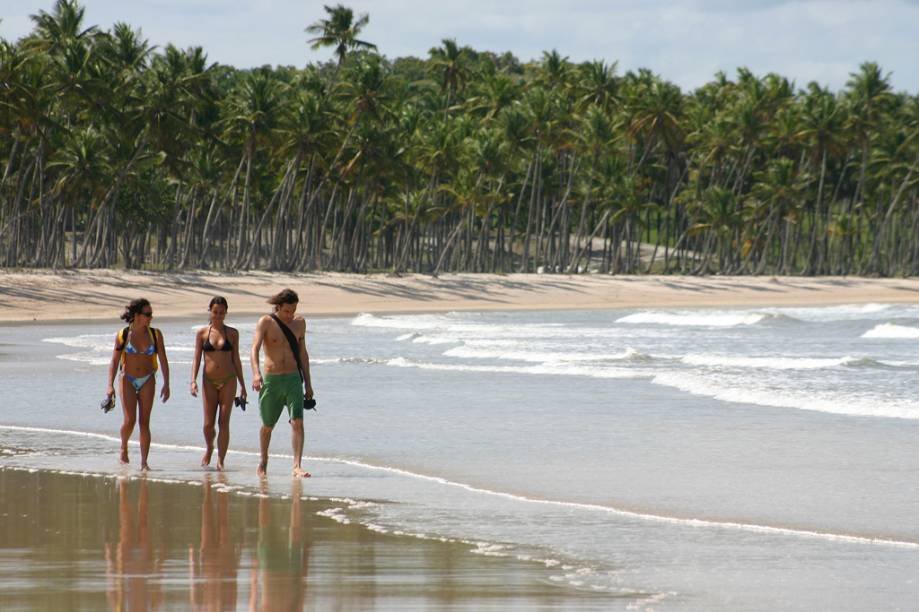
891, 330
698, 319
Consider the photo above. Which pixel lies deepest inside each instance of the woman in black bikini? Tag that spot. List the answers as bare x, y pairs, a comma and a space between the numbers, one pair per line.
222, 368
140, 351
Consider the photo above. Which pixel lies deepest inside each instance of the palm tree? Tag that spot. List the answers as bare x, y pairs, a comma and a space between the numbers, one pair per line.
339, 30
822, 121
251, 112
63, 25
869, 97
113, 151
452, 63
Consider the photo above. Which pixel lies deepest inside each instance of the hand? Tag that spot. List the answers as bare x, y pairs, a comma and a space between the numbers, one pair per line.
109, 391
165, 393
194, 389
257, 382
309, 391
242, 391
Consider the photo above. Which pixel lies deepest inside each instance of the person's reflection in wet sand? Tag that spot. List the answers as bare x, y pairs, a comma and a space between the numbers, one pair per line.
280, 569
133, 567
213, 567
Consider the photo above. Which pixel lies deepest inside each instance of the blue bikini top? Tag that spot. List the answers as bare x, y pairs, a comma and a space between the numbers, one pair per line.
125, 345
129, 349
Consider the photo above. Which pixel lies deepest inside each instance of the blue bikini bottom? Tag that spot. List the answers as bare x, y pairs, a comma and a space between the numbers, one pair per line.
139, 381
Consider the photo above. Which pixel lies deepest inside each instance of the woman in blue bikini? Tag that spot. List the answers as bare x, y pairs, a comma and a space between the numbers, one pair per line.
139, 350
219, 345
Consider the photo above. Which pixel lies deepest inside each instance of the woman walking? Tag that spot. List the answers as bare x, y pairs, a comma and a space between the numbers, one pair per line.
139, 351
219, 344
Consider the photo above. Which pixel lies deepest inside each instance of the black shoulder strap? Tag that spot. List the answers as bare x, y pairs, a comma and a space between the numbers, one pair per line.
124, 337
292, 341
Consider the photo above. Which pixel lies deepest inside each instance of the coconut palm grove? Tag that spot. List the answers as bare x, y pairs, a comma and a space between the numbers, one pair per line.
116, 153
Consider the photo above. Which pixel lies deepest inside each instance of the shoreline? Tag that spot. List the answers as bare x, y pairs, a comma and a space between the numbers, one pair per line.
226, 545
93, 295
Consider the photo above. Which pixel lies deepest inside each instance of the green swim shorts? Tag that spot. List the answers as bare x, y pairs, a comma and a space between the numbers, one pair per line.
279, 390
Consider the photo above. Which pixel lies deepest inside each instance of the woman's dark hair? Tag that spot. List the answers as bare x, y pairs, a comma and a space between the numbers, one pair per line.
132, 309
287, 296
220, 301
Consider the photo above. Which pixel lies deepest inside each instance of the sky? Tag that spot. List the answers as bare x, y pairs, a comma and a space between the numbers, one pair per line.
684, 41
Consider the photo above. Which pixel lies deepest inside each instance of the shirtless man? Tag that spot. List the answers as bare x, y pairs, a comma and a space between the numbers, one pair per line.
281, 385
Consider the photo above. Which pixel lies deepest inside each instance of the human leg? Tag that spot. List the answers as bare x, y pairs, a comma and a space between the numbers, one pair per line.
297, 436
146, 410
210, 399
226, 407
294, 400
129, 408
264, 438
270, 406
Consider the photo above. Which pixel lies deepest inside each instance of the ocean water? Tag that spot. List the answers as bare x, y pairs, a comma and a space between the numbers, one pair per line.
680, 459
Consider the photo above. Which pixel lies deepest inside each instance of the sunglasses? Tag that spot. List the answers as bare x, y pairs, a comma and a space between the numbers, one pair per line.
147, 314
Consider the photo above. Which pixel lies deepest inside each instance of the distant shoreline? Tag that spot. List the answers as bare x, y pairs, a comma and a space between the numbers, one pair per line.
45, 296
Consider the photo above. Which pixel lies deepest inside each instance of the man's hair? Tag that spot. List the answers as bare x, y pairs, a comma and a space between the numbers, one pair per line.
287, 296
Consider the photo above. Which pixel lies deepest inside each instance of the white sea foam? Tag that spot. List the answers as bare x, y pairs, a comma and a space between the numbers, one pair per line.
401, 321
568, 505
472, 350
558, 368
436, 339
891, 330
357, 360
732, 390
93, 341
773, 363
695, 319
444, 329
99, 349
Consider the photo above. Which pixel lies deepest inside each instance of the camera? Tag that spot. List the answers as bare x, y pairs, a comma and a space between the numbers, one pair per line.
240, 402
107, 404
309, 404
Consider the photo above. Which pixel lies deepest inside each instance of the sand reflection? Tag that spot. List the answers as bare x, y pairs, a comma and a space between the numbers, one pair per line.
134, 563
280, 568
214, 564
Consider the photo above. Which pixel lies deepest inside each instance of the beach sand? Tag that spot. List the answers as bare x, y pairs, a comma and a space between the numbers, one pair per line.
78, 542
101, 294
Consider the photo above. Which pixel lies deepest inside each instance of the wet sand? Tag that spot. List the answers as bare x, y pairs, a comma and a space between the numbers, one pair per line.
91, 543
101, 294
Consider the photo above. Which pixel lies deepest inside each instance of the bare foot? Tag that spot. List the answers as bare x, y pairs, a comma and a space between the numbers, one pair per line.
220, 465
145, 467
299, 472
262, 469
206, 459
124, 457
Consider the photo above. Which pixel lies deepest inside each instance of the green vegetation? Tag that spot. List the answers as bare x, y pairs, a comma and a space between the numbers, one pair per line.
115, 153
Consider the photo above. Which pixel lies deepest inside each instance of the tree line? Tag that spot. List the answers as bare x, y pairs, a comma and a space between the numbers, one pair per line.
115, 153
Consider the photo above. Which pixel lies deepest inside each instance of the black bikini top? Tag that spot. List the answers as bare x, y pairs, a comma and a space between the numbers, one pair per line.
207, 347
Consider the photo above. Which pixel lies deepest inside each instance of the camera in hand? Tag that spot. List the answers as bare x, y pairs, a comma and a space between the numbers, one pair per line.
309, 404
107, 404
240, 402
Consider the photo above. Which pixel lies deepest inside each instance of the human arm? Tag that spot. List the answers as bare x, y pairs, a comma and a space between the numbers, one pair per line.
237, 364
164, 365
257, 340
196, 362
113, 368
